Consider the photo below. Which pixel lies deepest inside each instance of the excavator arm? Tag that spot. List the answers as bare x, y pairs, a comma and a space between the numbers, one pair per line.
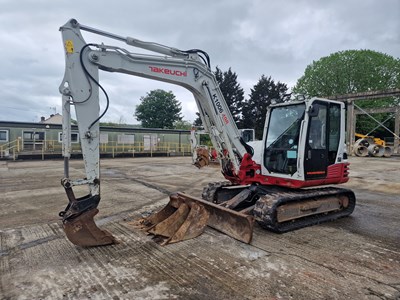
189, 69
81, 88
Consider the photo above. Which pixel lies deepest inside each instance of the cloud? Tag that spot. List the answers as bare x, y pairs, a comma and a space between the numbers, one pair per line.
255, 37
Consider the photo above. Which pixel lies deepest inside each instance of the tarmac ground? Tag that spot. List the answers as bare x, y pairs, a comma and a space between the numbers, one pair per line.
357, 257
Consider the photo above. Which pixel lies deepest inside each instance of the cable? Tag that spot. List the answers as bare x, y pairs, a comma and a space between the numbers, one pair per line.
249, 149
206, 60
96, 82
86, 73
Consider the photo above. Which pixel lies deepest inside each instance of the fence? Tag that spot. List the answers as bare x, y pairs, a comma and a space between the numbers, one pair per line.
14, 149
11, 149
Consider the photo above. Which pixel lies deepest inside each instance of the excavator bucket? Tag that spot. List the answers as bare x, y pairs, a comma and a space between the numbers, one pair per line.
202, 157
83, 231
185, 217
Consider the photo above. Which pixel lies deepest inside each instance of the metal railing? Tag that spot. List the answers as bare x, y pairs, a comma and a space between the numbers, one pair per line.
140, 147
12, 149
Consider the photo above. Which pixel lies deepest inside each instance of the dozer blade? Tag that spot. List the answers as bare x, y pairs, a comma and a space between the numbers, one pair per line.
185, 217
83, 231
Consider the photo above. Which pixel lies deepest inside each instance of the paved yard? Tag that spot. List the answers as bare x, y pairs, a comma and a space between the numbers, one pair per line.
352, 258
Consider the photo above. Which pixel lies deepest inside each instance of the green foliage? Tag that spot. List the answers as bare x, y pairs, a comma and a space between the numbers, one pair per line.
197, 122
158, 109
109, 124
354, 71
231, 90
205, 140
351, 71
121, 123
255, 109
365, 125
182, 124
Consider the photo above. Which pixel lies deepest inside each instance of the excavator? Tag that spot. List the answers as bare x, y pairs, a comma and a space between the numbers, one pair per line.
283, 182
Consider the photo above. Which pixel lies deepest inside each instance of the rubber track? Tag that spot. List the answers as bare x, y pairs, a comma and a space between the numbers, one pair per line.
266, 207
211, 190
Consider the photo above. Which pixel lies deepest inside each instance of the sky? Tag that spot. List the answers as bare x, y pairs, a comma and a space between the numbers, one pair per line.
252, 37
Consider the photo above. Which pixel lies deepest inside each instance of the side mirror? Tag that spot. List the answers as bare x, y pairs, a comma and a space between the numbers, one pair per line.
313, 111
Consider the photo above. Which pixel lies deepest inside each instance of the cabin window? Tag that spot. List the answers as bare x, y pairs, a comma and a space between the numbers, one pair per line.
103, 138
74, 137
3, 135
126, 139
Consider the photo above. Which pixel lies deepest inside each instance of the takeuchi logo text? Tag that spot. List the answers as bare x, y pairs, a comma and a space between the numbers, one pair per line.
168, 71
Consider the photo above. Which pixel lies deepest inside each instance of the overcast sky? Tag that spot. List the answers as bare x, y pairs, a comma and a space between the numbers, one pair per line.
254, 37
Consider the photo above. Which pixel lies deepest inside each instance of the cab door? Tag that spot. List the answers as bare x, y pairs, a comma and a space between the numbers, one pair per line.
316, 148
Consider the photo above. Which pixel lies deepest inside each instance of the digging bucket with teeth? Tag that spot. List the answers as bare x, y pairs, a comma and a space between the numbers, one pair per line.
185, 217
83, 231
78, 222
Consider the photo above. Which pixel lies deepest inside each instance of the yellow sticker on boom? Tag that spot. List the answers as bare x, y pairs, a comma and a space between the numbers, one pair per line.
69, 46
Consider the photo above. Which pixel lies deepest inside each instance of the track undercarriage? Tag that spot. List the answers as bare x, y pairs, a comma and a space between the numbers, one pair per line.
282, 209
231, 209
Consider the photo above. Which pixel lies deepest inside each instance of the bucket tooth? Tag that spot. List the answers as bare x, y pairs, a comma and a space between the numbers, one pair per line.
185, 217
83, 231
170, 225
177, 221
193, 226
149, 222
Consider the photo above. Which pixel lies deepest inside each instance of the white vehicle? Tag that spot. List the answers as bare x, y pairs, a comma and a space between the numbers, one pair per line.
302, 146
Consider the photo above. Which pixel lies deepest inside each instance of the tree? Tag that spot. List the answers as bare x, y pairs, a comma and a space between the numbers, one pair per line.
232, 92
353, 71
182, 124
261, 96
121, 123
158, 109
197, 122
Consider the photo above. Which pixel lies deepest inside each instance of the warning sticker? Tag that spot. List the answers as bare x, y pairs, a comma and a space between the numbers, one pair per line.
69, 46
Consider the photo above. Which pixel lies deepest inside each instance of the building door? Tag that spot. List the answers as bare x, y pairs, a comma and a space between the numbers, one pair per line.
33, 140
150, 142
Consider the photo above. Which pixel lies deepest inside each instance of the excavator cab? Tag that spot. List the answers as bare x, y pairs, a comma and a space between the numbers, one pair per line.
283, 137
304, 141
